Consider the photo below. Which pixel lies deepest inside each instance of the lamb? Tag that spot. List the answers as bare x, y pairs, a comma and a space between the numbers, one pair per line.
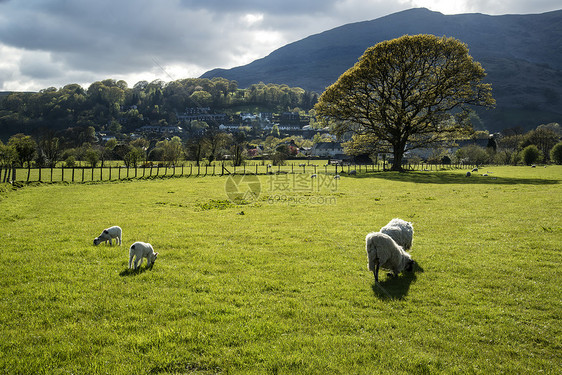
140, 250
108, 235
402, 232
383, 252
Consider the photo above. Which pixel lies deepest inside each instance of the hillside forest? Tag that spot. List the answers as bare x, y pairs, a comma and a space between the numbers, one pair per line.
110, 105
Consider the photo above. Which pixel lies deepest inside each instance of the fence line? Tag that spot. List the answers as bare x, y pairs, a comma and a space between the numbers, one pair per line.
102, 174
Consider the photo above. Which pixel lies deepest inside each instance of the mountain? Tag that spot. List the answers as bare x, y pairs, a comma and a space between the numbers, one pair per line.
522, 55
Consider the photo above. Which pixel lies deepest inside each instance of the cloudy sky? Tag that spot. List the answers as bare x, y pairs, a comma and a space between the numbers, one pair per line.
46, 43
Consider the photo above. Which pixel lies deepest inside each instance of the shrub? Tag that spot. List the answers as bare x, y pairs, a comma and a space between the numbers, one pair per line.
92, 157
556, 153
473, 154
70, 161
531, 154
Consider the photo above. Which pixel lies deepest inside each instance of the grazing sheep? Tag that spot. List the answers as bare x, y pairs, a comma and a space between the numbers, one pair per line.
402, 232
468, 174
140, 250
475, 170
108, 235
337, 177
383, 252
352, 172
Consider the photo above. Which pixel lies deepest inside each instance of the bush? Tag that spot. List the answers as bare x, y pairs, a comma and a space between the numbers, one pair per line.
556, 153
531, 154
70, 161
473, 154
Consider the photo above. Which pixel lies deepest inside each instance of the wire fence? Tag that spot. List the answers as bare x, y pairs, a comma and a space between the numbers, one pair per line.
10, 174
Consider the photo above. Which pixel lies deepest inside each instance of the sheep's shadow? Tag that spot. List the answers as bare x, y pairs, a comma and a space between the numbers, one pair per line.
132, 272
393, 288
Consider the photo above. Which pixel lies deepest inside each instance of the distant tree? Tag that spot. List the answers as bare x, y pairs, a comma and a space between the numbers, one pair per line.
24, 147
492, 144
556, 153
106, 150
402, 93
7, 154
172, 150
542, 137
216, 140
50, 147
531, 154
473, 154
238, 148
133, 157
281, 154
142, 145
196, 148
92, 156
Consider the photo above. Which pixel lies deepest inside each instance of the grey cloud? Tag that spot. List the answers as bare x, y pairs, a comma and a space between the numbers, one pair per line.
105, 37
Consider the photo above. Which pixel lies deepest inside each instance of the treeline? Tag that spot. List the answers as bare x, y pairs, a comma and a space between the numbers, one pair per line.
511, 147
110, 105
69, 149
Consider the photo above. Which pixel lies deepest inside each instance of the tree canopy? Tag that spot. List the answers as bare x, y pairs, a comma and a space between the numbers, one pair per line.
106, 104
405, 93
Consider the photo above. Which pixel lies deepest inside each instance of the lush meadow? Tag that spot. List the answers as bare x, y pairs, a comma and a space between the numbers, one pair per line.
280, 285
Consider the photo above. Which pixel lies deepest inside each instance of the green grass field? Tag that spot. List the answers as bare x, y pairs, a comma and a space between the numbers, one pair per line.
284, 287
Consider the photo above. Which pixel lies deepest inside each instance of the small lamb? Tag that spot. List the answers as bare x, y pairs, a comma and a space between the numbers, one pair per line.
401, 231
108, 235
383, 252
140, 250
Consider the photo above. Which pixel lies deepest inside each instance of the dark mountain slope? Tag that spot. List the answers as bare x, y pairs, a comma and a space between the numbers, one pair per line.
522, 55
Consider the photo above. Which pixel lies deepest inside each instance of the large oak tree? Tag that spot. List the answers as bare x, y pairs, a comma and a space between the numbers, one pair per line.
406, 93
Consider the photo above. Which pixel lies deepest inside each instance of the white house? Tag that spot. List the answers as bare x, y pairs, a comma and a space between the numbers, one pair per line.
327, 150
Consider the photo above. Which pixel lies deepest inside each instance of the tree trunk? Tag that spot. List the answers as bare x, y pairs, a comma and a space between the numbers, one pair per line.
398, 153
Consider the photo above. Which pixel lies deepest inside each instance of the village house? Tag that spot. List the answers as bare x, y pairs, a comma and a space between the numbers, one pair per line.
331, 150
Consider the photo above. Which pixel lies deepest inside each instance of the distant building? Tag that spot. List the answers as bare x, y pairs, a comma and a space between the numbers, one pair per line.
160, 129
202, 114
332, 150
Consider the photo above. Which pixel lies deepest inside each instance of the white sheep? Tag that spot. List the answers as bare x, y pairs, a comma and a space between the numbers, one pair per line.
383, 252
140, 250
401, 231
108, 235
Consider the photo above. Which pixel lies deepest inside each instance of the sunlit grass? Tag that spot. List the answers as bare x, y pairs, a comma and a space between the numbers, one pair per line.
281, 285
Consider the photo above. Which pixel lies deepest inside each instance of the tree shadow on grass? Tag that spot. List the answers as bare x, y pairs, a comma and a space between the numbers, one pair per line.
444, 177
396, 288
